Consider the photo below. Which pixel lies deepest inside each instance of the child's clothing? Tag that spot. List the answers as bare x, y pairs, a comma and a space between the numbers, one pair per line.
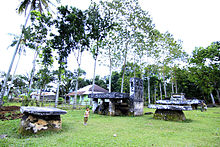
86, 116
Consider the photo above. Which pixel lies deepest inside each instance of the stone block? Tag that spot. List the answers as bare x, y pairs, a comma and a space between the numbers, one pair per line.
170, 115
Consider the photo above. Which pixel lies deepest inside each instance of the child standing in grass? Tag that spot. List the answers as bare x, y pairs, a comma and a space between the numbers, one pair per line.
203, 106
86, 116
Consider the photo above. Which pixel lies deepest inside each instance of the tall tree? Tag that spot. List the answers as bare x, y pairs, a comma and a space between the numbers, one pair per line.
170, 54
34, 5
73, 24
205, 68
98, 23
132, 33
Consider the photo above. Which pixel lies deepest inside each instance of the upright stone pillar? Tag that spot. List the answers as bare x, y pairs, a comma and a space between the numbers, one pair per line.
111, 107
136, 100
95, 104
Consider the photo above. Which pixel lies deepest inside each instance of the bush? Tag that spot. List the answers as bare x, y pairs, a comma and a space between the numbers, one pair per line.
60, 100
25, 101
5, 99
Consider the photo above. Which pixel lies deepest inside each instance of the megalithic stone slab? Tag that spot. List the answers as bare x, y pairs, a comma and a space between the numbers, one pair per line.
42, 110
170, 107
37, 119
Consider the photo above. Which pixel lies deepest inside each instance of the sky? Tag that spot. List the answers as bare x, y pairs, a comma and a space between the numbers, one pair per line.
195, 22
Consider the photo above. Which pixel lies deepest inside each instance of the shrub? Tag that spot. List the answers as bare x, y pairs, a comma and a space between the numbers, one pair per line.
5, 99
60, 100
25, 101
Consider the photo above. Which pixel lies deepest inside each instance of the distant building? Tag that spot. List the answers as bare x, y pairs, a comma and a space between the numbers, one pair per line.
49, 96
82, 94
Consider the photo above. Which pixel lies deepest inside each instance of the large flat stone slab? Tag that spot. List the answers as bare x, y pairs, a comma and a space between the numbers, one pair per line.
42, 110
111, 95
183, 102
171, 107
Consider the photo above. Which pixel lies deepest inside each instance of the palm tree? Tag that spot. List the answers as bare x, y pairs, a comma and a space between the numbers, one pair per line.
23, 7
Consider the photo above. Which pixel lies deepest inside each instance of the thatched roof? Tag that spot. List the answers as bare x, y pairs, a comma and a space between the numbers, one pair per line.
88, 90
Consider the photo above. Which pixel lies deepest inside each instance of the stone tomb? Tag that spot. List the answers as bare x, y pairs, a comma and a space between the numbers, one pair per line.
117, 104
173, 109
37, 119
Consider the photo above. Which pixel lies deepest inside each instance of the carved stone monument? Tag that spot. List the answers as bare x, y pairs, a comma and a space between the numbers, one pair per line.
37, 119
136, 96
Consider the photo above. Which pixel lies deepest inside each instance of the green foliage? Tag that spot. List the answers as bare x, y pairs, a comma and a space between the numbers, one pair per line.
5, 99
100, 82
60, 100
205, 67
25, 101
34, 4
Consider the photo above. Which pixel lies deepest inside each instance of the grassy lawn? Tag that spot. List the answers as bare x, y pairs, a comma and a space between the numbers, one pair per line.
200, 129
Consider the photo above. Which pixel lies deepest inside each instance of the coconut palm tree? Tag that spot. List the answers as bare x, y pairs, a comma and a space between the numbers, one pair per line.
23, 7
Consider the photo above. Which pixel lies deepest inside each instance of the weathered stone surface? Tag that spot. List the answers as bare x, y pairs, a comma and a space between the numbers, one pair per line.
136, 100
178, 96
111, 95
94, 104
138, 108
37, 119
176, 102
42, 111
37, 123
171, 107
170, 115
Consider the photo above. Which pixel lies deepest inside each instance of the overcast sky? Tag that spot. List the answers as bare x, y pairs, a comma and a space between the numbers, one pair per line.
195, 22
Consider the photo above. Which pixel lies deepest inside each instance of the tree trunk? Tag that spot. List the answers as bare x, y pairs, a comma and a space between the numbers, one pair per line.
165, 90
110, 72
13, 77
148, 82
175, 79
134, 66
213, 100
76, 88
123, 74
33, 70
161, 95
12, 61
40, 95
172, 83
93, 82
155, 94
217, 91
57, 94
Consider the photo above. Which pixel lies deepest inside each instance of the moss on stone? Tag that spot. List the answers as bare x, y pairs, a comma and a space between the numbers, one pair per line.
170, 115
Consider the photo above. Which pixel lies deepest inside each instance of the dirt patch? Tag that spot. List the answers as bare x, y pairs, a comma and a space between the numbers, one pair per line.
10, 112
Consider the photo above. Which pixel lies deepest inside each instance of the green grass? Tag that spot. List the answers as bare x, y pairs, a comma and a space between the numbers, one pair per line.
200, 129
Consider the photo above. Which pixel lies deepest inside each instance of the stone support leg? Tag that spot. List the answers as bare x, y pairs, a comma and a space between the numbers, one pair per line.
95, 104
111, 107
37, 123
173, 115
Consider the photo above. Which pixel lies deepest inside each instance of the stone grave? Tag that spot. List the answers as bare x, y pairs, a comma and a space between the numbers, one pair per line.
118, 104
173, 109
37, 119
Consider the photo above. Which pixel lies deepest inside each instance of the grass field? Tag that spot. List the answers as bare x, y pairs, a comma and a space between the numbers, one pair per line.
200, 129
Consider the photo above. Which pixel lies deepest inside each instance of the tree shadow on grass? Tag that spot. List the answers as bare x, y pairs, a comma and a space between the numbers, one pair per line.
185, 121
